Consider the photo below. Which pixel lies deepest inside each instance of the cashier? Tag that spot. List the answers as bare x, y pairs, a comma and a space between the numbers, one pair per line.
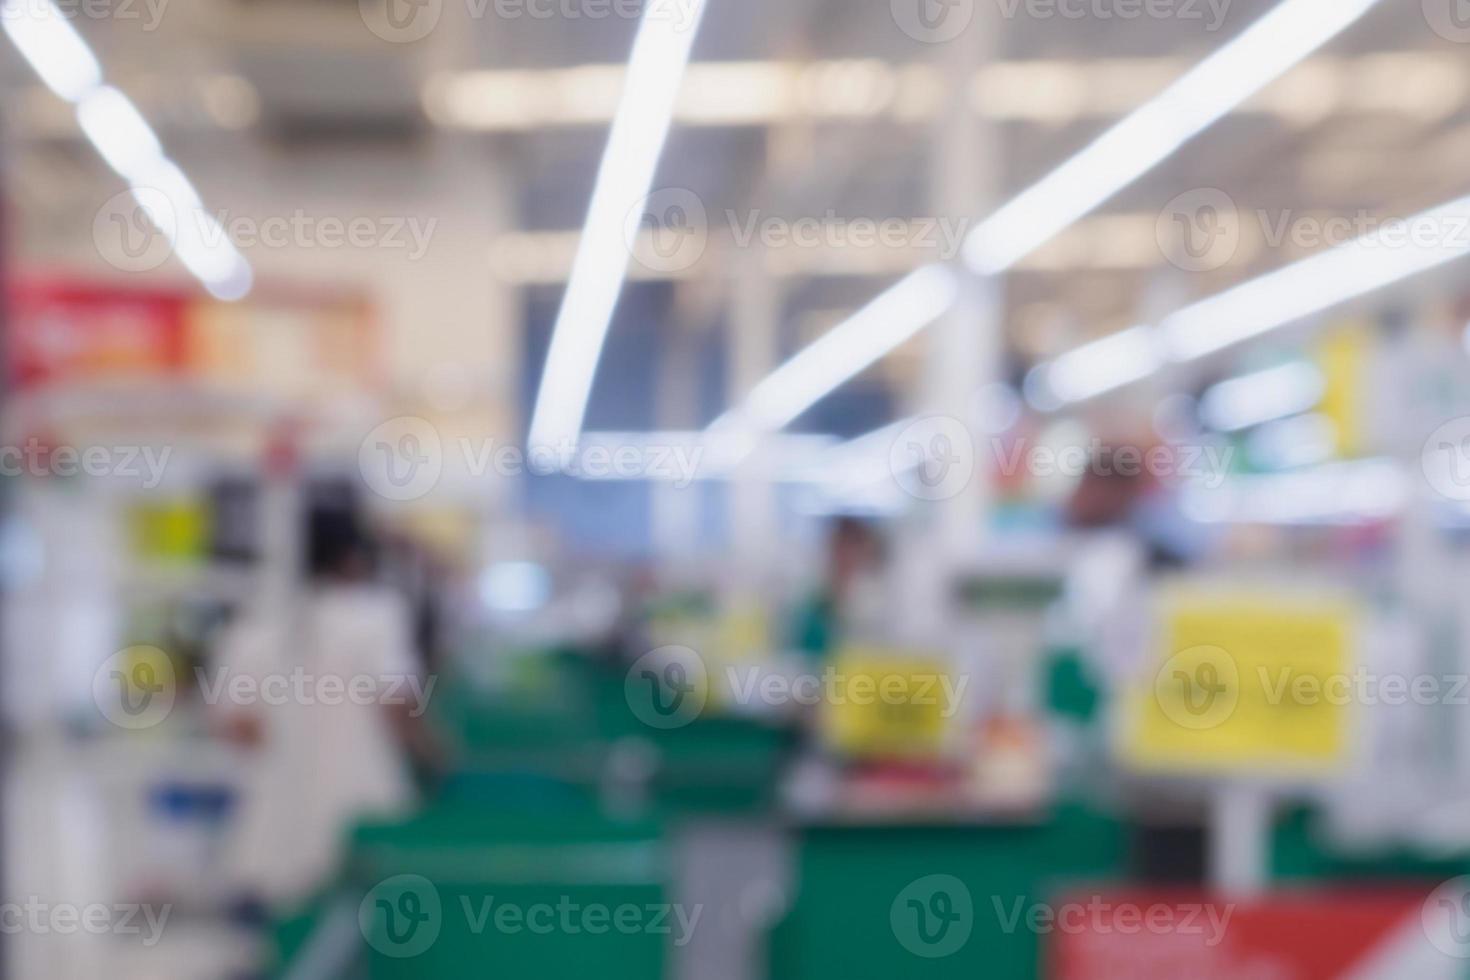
850, 584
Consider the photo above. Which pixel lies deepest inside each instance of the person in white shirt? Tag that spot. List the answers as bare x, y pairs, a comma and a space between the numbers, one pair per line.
334, 718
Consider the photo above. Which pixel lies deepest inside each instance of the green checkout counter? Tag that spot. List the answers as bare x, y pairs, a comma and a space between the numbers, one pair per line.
528, 824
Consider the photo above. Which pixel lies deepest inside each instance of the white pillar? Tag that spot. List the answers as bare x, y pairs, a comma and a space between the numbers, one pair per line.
963, 349
676, 511
755, 311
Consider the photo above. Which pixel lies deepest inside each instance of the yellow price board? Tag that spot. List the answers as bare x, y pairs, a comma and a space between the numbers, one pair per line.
1343, 355
878, 703
1243, 682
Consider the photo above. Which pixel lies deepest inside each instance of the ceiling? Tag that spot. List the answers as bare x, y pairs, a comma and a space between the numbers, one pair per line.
1378, 121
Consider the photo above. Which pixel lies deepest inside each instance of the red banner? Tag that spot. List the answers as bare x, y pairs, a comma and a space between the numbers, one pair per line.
1148, 935
64, 331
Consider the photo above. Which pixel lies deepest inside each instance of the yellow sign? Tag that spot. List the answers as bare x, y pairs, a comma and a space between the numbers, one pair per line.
1343, 355
1244, 682
880, 704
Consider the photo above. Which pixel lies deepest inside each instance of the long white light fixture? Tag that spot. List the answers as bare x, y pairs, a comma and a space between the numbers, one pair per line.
1365, 264
1380, 258
1155, 130
895, 316
1268, 48
1096, 367
118, 131
639, 130
55, 51
1265, 396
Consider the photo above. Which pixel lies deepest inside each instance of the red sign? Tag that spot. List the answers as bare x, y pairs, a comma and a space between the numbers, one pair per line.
67, 331
1150, 935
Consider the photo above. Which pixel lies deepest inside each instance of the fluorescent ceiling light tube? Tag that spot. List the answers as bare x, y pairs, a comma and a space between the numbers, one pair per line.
54, 49
199, 241
1095, 368
1150, 134
844, 352
127, 143
1377, 259
639, 130
1287, 34
1390, 254
1254, 399
1350, 492
121, 135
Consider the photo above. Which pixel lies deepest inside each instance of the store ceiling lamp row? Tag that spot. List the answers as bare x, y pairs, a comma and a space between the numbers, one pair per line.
1414, 84
110, 121
1265, 51
1371, 262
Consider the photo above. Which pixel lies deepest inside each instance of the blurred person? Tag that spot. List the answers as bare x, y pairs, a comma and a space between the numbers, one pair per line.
322, 760
851, 585
1128, 498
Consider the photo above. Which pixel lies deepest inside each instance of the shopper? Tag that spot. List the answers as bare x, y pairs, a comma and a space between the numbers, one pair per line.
333, 716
